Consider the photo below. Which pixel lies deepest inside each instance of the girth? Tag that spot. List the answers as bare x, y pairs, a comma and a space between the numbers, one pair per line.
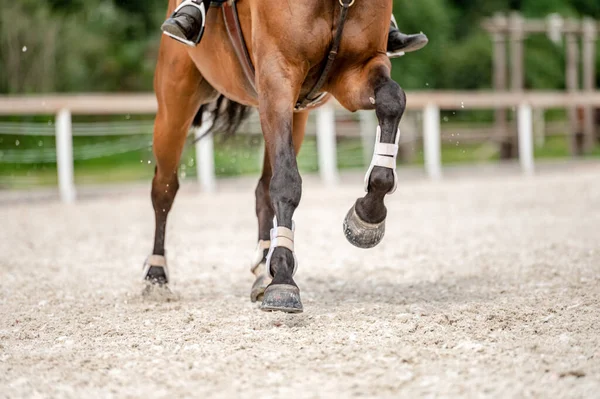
236, 36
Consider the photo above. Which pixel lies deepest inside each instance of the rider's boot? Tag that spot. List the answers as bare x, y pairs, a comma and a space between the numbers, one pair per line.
400, 43
186, 24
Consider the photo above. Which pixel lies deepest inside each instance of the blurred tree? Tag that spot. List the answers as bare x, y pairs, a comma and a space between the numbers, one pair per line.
26, 55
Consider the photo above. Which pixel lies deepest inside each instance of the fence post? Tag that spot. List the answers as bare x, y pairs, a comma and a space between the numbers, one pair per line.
205, 155
539, 127
326, 146
501, 130
590, 36
432, 141
64, 156
572, 75
525, 124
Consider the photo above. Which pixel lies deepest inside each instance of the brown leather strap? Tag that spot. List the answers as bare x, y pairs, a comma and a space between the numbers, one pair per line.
313, 94
236, 36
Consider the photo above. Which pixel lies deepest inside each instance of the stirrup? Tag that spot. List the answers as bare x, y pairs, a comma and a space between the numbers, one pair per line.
281, 237
393, 22
384, 155
194, 42
155, 261
394, 54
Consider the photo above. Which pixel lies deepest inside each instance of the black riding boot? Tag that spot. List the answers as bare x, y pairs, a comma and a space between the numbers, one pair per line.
186, 24
400, 43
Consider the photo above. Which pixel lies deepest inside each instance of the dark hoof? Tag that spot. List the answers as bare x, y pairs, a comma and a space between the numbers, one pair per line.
283, 298
258, 288
360, 233
156, 275
157, 291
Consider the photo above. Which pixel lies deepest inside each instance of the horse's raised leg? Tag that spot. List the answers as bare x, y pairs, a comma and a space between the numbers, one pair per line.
265, 212
180, 89
367, 88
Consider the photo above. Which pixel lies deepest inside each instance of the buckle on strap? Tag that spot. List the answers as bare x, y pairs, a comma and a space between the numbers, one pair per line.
281, 237
384, 155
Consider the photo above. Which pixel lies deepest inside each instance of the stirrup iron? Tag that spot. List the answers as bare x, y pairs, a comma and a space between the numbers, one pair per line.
394, 54
384, 155
196, 40
281, 237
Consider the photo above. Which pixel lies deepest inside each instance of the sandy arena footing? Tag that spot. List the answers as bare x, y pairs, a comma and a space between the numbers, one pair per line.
482, 287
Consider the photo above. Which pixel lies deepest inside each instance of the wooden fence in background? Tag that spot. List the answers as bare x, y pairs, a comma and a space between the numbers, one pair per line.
430, 103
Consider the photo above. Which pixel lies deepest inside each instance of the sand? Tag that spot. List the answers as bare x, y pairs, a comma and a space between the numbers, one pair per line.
484, 286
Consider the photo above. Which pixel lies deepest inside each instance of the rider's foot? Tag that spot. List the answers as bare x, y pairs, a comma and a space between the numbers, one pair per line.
400, 43
187, 23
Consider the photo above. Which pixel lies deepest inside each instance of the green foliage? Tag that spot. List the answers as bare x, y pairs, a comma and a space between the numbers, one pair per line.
78, 45
459, 55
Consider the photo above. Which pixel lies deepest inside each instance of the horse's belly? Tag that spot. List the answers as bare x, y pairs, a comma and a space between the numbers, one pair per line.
216, 60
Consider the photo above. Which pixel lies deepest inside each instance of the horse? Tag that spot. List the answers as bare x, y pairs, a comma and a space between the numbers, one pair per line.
290, 45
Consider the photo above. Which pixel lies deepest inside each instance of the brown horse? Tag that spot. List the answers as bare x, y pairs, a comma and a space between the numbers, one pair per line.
288, 43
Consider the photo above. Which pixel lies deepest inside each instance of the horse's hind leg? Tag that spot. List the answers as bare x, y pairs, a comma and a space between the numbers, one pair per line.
265, 212
368, 88
180, 89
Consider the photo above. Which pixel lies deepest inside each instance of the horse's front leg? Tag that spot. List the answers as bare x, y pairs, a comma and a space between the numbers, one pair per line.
265, 212
368, 88
278, 88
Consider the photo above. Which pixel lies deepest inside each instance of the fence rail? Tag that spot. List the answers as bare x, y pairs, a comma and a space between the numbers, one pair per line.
120, 104
429, 102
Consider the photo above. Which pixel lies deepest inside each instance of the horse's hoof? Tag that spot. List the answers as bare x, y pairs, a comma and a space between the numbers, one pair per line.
258, 288
360, 233
155, 270
156, 275
283, 298
158, 291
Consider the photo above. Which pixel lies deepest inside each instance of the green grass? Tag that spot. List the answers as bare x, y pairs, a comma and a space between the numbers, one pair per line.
240, 155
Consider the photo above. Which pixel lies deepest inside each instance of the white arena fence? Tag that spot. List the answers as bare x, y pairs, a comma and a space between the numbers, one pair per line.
131, 137
136, 134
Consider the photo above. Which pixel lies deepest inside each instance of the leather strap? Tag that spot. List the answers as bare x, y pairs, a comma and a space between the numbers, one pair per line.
384, 155
236, 36
281, 237
155, 261
284, 237
312, 96
386, 149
